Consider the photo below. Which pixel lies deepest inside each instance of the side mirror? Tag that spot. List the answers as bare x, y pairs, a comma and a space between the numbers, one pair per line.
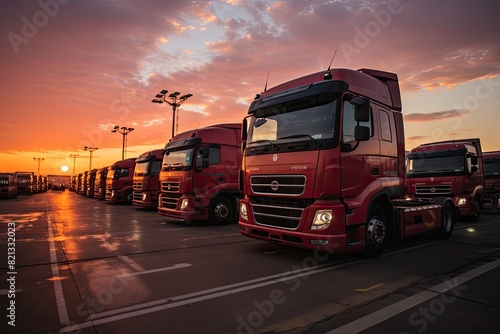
474, 169
361, 109
361, 133
204, 151
244, 129
473, 160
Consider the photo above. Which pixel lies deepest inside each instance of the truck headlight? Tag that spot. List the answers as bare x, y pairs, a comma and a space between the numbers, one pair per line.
184, 203
112, 193
462, 201
322, 219
243, 211
144, 196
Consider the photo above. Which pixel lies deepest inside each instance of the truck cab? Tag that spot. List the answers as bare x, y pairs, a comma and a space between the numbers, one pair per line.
199, 175
8, 185
119, 180
146, 179
449, 168
100, 183
324, 166
492, 179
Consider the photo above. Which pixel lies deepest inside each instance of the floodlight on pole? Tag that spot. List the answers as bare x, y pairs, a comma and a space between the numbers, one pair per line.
39, 160
124, 131
174, 102
74, 156
90, 149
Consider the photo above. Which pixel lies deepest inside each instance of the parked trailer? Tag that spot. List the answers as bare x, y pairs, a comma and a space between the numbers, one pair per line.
324, 166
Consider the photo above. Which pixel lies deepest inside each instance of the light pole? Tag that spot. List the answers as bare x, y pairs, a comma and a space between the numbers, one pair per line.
124, 131
74, 156
39, 160
174, 103
90, 149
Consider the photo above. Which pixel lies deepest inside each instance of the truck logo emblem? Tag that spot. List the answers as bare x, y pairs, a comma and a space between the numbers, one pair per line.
275, 185
275, 157
433, 189
168, 186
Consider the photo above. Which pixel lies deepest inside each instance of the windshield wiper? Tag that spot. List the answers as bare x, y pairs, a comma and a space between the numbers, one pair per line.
300, 136
422, 171
276, 148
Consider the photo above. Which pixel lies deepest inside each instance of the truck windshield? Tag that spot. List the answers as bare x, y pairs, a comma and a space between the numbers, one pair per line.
178, 159
492, 167
316, 122
425, 166
141, 168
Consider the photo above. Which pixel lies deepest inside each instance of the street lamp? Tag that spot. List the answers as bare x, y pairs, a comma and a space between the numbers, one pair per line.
90, 149
39, 160
174, 102
74, 156
124, 131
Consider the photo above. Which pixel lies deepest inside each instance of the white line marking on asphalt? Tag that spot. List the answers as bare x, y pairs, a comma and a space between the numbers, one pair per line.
167, 303
60, 301
405, 304
175, 266
131, 263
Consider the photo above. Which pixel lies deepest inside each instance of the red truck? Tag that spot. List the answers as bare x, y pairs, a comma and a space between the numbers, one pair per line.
451, 168
119, 181
91, 182
324, 166
8, 185
100, 183
25, 182
199, 175
491, 162
146, 179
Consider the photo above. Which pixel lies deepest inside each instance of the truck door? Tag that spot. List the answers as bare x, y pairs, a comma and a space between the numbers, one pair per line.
209, 172
359, 160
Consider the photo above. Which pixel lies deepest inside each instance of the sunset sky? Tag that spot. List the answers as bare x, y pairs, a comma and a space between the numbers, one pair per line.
72, 70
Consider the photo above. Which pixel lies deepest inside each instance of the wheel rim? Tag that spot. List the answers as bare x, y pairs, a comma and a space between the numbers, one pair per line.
221, 211
376, 232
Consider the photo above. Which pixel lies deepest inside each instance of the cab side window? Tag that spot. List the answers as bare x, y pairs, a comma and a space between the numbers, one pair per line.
385, 126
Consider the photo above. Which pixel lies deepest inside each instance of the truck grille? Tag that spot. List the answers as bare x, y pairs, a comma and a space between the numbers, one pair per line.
137, 186
170, 200
433, 190
279, 212
137, 196
170, 186
284, 185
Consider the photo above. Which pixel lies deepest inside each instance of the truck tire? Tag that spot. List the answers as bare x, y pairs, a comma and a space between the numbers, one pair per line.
221, 211
477, 208
447, 221
377, 232
127, 197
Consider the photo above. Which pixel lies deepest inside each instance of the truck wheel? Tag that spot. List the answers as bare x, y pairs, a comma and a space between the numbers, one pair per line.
127, 197
221, 211
447, 221
377, 232
477, 208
